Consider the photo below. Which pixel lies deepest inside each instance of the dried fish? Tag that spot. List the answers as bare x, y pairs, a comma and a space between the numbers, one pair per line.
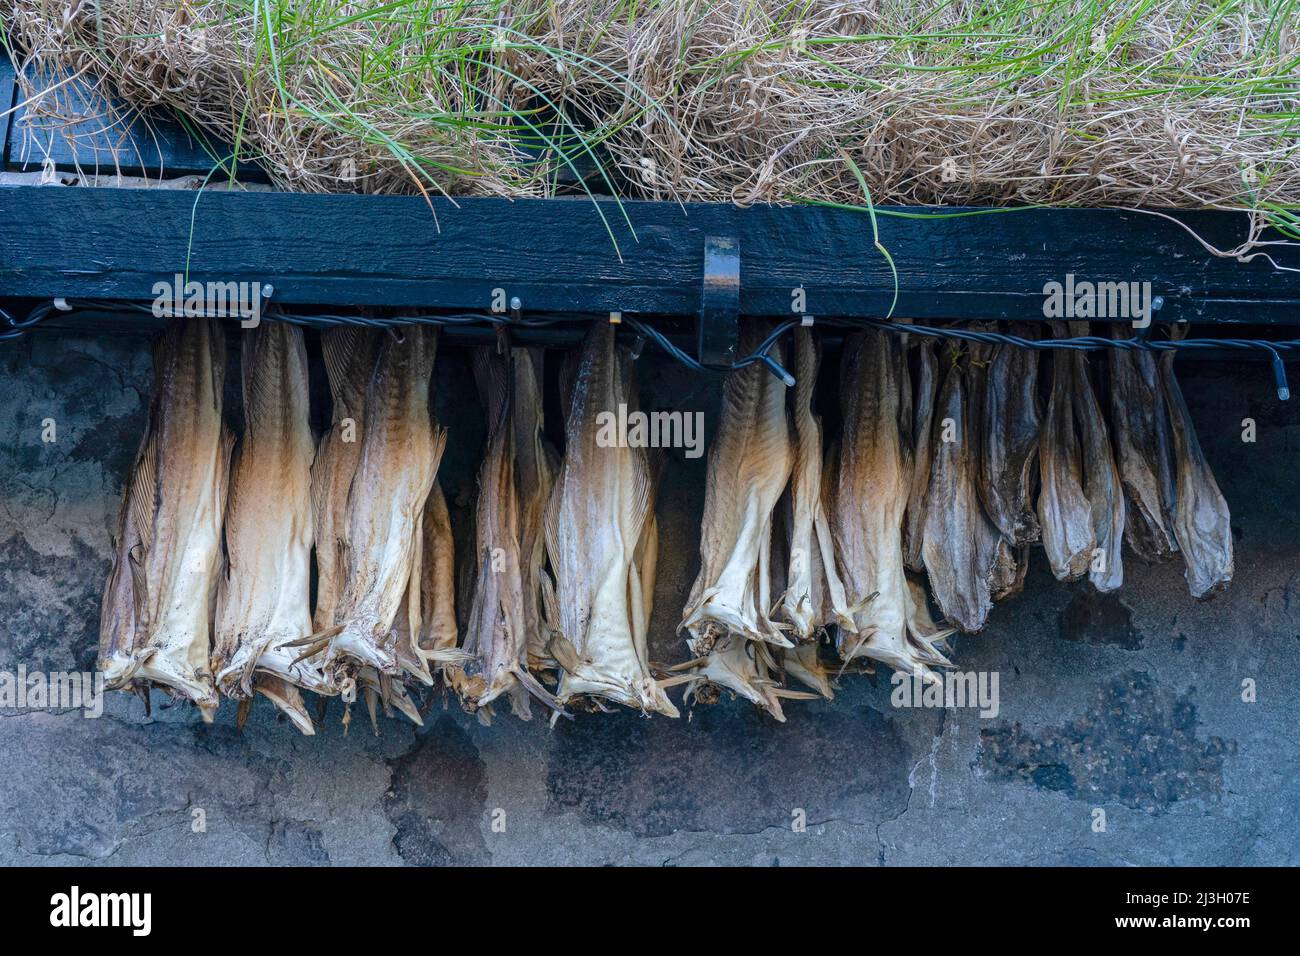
598, 525
438, 630
1009, 425
1101, 482
813, 592
1202, 523
748, 669
349, 364
922, 450
400, 450
1064, 512
496, 639
122, 614
958, 543
800, 662
804, 664
535, 465
171, 531
867, 513
263, 599
749, 465
1143, 452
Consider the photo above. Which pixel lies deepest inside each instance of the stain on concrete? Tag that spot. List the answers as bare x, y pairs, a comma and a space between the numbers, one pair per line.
1095, 618
295, 844
1136, 744
50, 605
1281, 616
112, 441
729, 769
102, 782
438, 798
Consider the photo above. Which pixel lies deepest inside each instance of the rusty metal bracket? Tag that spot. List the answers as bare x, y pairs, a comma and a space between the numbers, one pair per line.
720, 301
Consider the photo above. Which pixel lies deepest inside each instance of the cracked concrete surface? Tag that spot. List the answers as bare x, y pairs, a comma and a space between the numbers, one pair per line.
1129, 704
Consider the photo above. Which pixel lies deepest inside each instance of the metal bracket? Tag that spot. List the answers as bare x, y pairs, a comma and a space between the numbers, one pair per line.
720, 301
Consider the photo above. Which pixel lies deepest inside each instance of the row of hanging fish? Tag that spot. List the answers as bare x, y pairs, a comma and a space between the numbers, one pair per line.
210, 590
946, 468
1137, 475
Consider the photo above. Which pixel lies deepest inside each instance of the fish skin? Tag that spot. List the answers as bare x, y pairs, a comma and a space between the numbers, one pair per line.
803, 663
1101, 478
350, 354
496, 638
872, 467
1064, 512
958, 543
177, 571
1009, 425
122, 611
749, 464
596, 523
1007, 569
1202, 522
438, 629
401, 447
1143, 452
535, 464
263, 598
922, 425
813, 592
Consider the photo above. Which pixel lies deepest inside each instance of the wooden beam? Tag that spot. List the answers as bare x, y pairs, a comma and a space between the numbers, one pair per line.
559, 255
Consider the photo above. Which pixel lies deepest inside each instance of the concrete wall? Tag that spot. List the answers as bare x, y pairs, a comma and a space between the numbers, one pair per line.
1131, 704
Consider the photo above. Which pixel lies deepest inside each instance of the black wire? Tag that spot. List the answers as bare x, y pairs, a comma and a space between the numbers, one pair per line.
761, 354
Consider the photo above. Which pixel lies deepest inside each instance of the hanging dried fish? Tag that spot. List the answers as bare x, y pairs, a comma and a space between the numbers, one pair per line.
263, 599
958, 545
922, 450
1143, 451
438, 631
349, 364
600, 540
867, 513
1009, 427
1064, 512
535, 465
497, 637
381, 535
1202, 523
746, 668
800, 662
123, 612
813, 592
1101, 482
749, 465
170, 539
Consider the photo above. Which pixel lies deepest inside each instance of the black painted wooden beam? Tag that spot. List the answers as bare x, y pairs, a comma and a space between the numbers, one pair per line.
558, 255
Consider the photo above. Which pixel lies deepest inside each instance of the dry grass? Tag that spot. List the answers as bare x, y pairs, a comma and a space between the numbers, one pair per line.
1072, 102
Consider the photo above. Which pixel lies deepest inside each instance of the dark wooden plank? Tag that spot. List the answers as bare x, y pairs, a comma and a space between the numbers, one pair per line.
556, 255
105, 140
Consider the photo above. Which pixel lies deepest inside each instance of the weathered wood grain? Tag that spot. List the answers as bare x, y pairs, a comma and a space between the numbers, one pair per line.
558, 255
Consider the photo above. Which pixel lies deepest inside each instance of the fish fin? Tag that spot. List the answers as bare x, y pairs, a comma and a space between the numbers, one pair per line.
530, 683
563, 652
288, 699
788, 694
327, 634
